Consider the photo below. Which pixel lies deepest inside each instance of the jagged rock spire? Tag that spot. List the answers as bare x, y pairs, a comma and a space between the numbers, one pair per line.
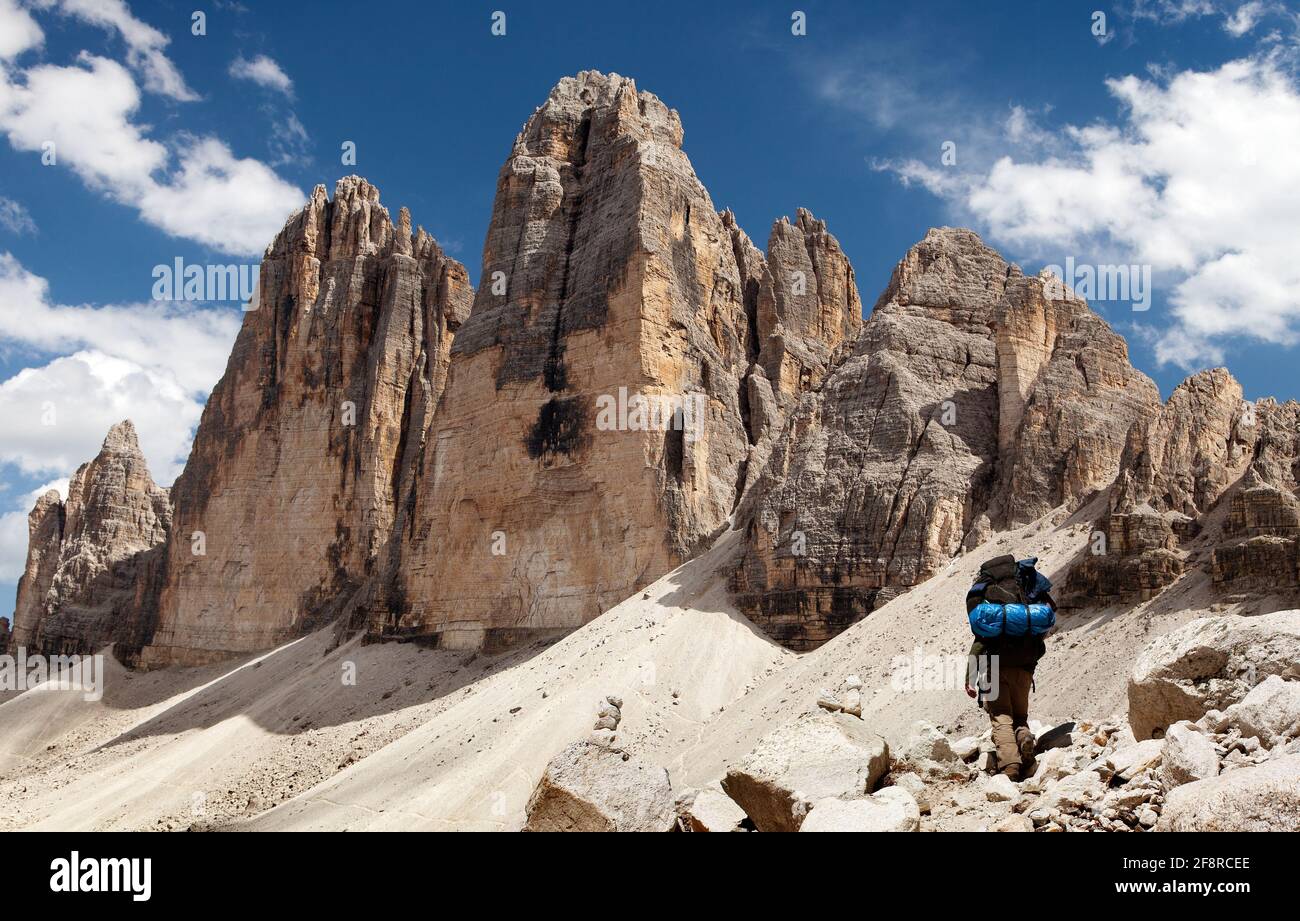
607, 276
78, 590
292, 486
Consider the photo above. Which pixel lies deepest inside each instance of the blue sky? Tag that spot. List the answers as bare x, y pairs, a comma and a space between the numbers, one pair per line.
1164, 137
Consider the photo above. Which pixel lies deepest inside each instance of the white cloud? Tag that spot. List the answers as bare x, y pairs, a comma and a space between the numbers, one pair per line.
263, 71
55, 416
144, 43
153, 363
1196, 178
60, 486
13, 546
884, 98
13, 530
187, 343
1022, 128
235, 205
15, 218
228, 203
85, 111
935, 180
1244, 18
18, 31
289, 141
1239, 16
1172, 11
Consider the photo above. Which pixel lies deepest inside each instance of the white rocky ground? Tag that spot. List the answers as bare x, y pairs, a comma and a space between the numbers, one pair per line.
432, 739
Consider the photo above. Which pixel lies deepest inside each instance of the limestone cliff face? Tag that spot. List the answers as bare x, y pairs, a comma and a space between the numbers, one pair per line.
804, 312
44, 540
83, 561
1067, 399
545, 496
808, 306
1184, 459
1176, 465
290, 491
974, 398
1212, 478
1260, 546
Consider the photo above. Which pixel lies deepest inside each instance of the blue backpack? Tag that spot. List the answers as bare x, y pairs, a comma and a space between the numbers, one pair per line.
1010, 597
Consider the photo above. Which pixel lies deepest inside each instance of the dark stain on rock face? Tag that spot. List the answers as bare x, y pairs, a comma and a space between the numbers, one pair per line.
554, 373
558, 429
675, 448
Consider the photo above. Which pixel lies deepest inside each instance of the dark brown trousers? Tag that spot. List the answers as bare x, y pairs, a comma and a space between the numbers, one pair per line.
1009, 712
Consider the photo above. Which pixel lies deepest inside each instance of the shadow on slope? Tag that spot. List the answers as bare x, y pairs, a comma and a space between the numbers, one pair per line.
677, 654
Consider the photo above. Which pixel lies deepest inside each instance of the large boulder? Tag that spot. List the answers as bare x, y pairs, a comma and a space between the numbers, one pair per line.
913, 784
1047, 738
1000, 788
591, 787
709, 810
1131, 760
929, 744
1188, 755
815, 757
1270, 712
1017, 821
1261, 798
1075, 793
891, 809
1210, 663
1055, 764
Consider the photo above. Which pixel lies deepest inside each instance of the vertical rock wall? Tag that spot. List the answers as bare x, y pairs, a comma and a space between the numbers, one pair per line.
290, 492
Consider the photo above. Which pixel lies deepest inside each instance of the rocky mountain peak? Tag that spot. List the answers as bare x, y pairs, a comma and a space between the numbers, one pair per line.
330, 389
609, 104
122, 439
1182, 460
807, 223
85, 555
105, 494
352, 223
974, 398
951, 275
607, 276
46, 501
1207, 447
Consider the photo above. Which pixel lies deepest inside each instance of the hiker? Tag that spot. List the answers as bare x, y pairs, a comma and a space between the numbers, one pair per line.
1009, 607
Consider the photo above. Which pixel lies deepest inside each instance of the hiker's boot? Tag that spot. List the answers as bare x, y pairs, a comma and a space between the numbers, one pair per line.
1026, 743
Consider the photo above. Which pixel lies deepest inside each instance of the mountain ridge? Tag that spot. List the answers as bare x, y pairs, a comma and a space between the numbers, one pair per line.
394, 451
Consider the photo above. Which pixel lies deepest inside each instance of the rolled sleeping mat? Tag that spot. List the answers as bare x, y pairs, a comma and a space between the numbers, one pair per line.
988, 620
